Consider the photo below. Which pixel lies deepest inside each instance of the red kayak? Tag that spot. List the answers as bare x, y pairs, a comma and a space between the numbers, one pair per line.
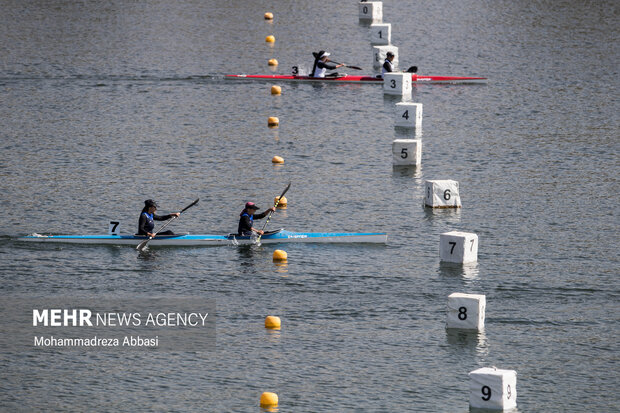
359, 79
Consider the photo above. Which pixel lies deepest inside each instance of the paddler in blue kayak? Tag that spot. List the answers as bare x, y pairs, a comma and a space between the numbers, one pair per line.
247, 217
147, 216
322, 65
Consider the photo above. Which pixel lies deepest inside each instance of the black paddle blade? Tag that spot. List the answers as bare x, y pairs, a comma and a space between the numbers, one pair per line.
190, 205
286, 189
354, 67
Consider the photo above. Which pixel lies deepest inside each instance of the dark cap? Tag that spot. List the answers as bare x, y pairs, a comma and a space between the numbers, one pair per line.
150, 203
250, 205
389, 54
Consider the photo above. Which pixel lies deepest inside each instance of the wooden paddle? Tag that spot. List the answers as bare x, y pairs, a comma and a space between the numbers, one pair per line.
270, 212
141, 245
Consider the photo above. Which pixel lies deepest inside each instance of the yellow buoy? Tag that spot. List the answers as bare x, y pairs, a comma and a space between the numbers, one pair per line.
268, 399
276, 90
280, 255
270, 39
273, 322
268, 16
277, 159
283, 200
272, 62
273, 121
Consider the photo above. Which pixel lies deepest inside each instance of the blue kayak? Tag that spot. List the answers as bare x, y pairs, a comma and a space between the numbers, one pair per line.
180, 240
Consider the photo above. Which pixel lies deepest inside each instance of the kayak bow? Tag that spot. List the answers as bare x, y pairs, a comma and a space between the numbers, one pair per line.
187, 240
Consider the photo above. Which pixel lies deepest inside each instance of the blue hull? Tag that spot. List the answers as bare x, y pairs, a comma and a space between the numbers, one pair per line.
281, 236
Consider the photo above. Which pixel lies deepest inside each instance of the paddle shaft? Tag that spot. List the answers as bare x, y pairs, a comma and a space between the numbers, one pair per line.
270, 212
351, 67
141, 245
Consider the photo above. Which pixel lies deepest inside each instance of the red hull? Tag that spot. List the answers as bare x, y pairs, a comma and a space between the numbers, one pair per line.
360, 79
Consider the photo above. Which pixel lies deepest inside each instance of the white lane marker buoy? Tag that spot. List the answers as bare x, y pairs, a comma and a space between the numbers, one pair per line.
458, 247
381, 34
466, 311
371, 10
397, 83
408, 115
493, 389
406, 152
442, 194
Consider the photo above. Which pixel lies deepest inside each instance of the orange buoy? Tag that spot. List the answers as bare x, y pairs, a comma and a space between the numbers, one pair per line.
273, 121
280, 201
268, 16
280, 255
268, 399
272, 322
272, 62
270, 39
277, 159
276, 90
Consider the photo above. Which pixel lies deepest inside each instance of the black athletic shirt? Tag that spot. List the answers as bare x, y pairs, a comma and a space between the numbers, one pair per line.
146, 225
246, 221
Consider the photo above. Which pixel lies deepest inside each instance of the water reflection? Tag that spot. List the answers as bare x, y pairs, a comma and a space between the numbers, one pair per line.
273, 335
407, 171
394, 99
469, 271
401, 132
281, 268
147, 254
442, 212
472, 340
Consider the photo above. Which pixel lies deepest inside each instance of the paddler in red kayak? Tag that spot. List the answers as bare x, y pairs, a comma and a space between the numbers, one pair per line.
388, 65
322, 65
247, 217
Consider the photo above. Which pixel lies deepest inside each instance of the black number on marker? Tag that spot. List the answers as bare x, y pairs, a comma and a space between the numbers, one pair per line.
295, 70
365, 9
380, 35
406, 115
446, 194
393, 83
115, 223
453, 245
486, 393
508, 392
403, 153
472, 245
462, 313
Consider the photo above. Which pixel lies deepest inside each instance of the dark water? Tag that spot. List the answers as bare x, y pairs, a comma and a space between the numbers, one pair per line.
105, 104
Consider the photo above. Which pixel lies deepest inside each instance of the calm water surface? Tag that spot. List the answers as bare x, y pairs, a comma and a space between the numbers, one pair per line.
105, 104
